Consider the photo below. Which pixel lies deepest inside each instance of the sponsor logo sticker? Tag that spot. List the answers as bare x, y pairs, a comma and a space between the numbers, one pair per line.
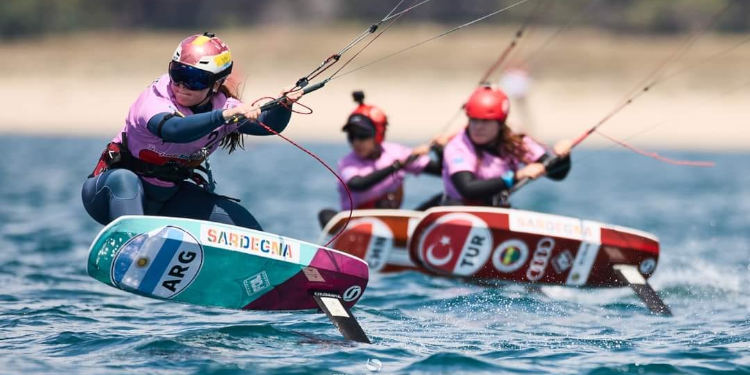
312, 274
368, 238
556, 226
251, 242
562, 262
647, 266
510, 255
161, 263
457, 243
223, 59
378, 251
584, 261
256, 283
334, 306
352, 293
380, 241
539, 261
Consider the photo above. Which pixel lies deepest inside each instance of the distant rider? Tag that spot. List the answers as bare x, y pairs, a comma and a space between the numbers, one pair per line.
151, 167
487, 158
375, 170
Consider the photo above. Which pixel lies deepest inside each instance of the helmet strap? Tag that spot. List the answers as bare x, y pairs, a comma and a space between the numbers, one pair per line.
211, 92
221, 82
377, 152
205, 100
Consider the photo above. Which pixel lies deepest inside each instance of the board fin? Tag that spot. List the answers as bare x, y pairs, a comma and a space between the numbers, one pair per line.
341, 316
629, 274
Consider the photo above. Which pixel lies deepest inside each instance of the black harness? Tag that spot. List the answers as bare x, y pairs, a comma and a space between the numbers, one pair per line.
117, 155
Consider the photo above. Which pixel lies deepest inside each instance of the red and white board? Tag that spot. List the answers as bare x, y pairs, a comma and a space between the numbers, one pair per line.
380, 237
494, 243
530, 247
497, 244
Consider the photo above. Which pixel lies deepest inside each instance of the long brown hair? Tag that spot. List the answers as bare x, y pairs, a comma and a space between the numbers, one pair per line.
510, 143
232, 87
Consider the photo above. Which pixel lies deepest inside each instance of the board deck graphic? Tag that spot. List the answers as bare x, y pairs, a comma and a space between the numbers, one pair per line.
212, 264
530, 247
488, 244
379, 237
495, 243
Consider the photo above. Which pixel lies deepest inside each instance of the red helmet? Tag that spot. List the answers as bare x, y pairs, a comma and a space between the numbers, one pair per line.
367, 116
486, 103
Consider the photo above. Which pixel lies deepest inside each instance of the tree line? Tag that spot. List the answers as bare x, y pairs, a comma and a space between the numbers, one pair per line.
30, 18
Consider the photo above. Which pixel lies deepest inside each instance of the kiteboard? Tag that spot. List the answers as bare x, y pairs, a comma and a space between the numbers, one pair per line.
380, 237
212, 264
509, 245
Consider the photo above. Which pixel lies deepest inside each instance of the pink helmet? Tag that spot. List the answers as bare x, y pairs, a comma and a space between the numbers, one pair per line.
200, 60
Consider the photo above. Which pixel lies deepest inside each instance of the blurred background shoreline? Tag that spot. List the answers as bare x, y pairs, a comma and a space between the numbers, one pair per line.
80, 80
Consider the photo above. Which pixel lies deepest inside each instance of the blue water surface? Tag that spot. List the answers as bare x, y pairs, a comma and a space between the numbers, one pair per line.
54, 319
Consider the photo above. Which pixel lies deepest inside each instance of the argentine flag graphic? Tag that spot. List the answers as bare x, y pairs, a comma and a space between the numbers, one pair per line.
160, 263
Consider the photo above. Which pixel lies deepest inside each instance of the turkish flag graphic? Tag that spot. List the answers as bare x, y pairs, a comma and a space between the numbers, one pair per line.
444, 242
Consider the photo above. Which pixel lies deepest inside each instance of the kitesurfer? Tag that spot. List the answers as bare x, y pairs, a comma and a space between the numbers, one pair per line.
151, 167
375, 169
487, 158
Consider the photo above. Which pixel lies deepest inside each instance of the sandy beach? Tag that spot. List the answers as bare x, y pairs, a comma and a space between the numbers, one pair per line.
83, 84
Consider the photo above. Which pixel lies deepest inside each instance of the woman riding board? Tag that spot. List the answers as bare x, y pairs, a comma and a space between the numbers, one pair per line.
151, 167
487, 158
375, 169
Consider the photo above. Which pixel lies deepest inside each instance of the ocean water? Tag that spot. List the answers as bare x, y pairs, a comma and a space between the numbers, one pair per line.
54, 319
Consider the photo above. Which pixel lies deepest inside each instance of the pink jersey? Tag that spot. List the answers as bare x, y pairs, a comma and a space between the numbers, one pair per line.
460, 155
159, 98
351, 166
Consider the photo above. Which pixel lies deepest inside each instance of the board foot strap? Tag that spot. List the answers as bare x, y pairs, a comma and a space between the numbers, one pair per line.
629, 274
341, 316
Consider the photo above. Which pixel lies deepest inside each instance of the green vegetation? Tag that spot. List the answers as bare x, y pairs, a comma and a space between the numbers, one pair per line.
29, 18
